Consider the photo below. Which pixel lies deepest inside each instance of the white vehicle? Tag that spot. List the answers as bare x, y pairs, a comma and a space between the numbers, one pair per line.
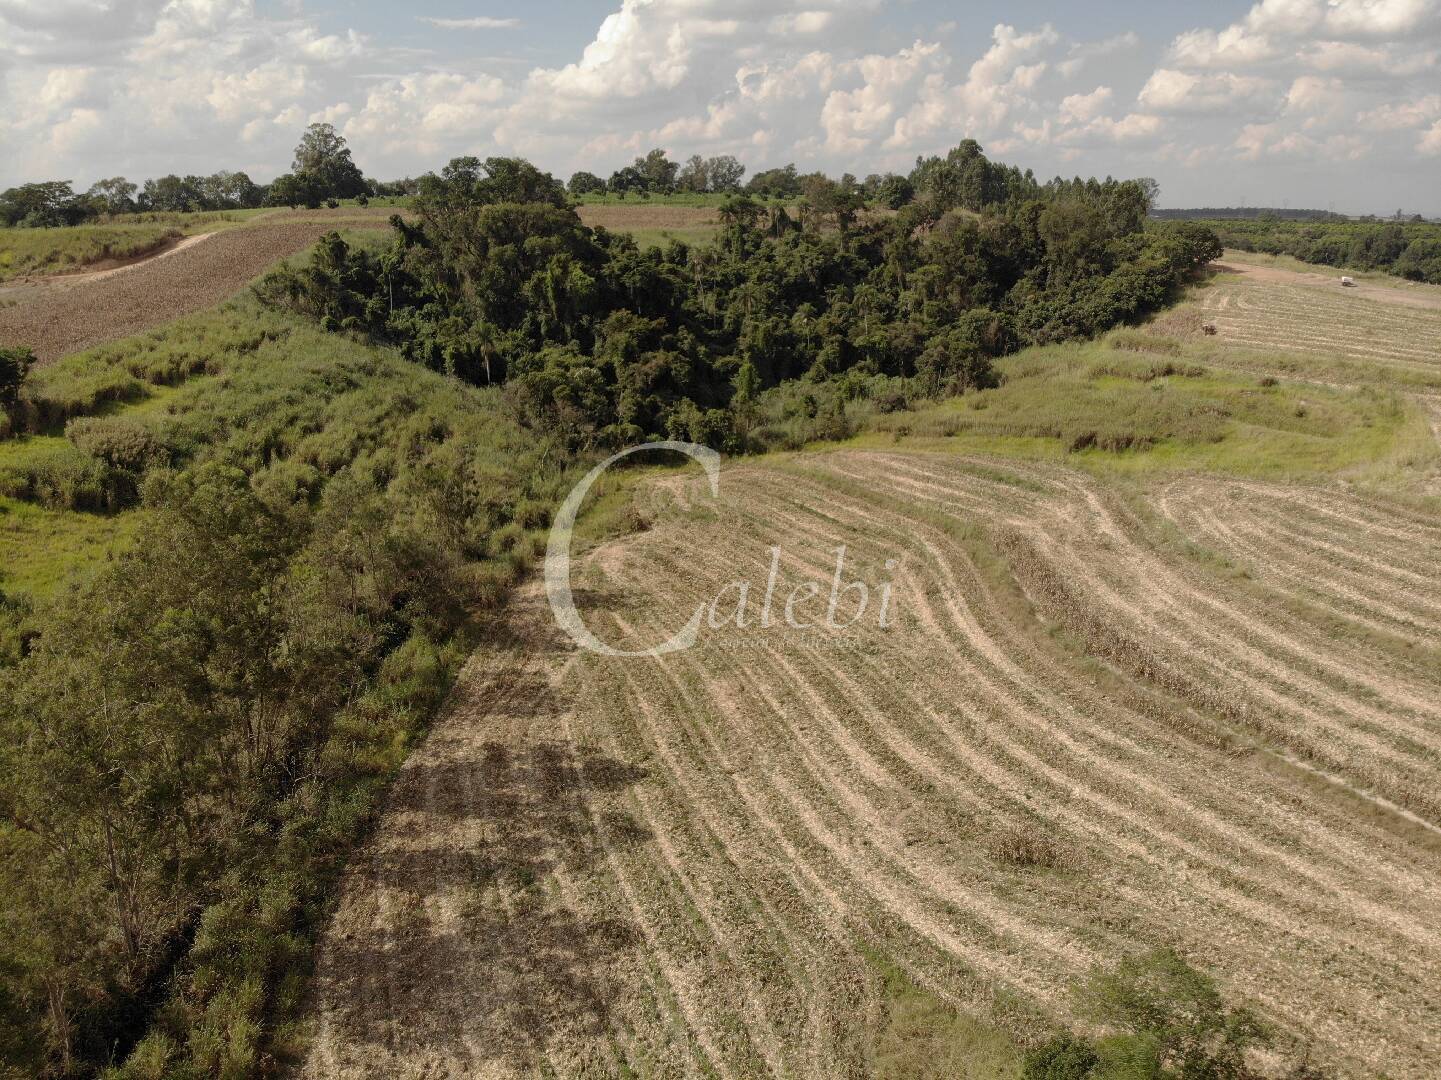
1348, 282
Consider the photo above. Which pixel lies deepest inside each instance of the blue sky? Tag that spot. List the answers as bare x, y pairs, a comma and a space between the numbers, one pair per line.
1299, 102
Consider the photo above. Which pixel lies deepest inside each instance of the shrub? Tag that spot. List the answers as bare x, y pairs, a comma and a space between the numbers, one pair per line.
15, 365
1170, 1019
120, 444
1027, 849
1063, 1058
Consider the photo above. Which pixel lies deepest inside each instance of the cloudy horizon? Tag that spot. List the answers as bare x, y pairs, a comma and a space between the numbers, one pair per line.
1316, 103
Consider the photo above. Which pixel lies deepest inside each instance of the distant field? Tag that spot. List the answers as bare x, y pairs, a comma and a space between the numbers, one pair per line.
65, 317
1275, 316
657, 223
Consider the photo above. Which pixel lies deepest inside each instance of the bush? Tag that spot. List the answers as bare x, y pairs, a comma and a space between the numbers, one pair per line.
15, 365
1063, 1058
1170, 1019
120, 444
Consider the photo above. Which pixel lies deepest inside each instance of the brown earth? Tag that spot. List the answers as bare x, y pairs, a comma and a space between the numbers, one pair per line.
641, 216
1086, 732
67, 315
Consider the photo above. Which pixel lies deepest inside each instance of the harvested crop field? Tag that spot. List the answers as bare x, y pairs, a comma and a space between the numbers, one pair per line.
1272, 309
1105, 716
62, 317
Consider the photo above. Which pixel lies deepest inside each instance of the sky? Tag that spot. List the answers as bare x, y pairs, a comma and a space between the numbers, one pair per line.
1333, 104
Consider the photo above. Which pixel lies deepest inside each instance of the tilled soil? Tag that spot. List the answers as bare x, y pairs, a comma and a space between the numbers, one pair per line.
1080, 736
63, 317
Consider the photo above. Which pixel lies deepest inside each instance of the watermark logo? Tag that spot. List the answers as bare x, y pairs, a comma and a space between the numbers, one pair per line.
799, 608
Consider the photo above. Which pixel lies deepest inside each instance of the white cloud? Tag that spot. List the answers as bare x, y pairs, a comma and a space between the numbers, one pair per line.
1084, 52
480, 22
1077, 108
853, 118
802, 22
994, 86
1401, 115
1171, 91
151, 86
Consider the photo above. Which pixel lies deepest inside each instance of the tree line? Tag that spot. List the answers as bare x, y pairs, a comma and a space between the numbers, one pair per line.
1410, 249
323, 172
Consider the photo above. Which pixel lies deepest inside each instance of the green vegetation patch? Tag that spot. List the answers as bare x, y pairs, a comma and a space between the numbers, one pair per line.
921, 1036
1119, 408
25, 252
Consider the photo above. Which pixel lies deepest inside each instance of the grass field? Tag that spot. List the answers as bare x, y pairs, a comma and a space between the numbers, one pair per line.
28, 252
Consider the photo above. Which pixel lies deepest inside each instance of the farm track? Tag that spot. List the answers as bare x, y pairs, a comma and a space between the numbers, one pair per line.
63, 317
677, 866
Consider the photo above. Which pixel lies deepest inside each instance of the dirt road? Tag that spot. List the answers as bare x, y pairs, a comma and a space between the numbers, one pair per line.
66, 315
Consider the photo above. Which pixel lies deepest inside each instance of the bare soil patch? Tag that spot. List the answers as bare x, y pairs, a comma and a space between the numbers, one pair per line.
640, 216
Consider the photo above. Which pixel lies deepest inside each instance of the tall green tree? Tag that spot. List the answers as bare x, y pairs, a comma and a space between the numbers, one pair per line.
323, 155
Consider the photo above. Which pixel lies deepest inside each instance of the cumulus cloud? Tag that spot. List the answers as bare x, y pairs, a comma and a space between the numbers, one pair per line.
1171, 91
1401, 115
149, 86
1084, 52
1078, 108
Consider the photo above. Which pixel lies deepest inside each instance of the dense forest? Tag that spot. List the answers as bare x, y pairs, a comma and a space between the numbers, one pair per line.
498, 282
1408, 249
195, 737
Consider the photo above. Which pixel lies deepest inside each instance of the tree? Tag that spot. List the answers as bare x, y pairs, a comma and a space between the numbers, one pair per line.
585, 183
113, 196
515, 180
895, 191
657, 171
784, 183
293, 190
695, 176
626, 180
1063, 1058
172, 194
725, 174
15, 365
324, 155
1172, 1020
46, 205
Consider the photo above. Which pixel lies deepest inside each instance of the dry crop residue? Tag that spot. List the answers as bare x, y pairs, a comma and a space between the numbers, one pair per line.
1284, 311
1077, 738
63, 317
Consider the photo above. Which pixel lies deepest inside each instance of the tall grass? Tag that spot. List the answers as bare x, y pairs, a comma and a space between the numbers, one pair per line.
25, 252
